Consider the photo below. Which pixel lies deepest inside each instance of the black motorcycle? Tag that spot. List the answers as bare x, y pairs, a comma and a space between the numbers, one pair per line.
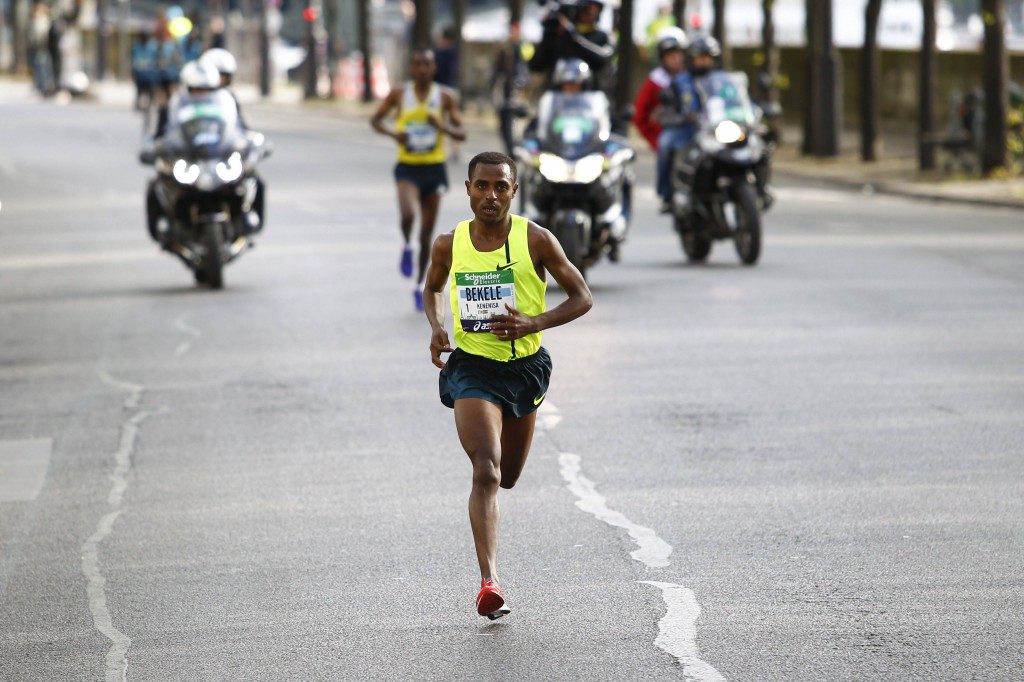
206, 201
576, 175
720, 181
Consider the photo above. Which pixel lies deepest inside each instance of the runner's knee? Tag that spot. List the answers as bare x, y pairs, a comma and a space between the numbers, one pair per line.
486, 474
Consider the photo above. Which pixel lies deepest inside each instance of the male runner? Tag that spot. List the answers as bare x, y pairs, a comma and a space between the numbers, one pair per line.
496, 266
421, 106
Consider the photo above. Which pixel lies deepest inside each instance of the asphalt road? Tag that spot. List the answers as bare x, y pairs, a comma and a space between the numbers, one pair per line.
810, 469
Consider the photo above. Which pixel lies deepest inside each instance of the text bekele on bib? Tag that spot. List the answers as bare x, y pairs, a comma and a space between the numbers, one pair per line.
483, 294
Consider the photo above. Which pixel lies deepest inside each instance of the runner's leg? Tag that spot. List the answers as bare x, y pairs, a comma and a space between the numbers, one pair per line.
516, 437
408, 197
430, 204
479, 425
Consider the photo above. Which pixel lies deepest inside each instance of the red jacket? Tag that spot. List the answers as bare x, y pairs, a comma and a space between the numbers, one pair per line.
647, 101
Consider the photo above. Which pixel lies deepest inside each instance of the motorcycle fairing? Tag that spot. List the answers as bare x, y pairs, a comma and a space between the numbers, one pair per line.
573, 124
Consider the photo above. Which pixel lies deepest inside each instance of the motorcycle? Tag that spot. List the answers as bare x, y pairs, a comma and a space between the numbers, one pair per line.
720, 181
577, 175
205, 203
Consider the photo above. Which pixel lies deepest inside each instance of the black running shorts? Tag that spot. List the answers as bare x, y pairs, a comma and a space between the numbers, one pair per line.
430, 178
519, 385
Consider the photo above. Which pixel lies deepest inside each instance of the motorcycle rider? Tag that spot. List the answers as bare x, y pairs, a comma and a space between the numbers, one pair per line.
202, 84
702, 54
571, 76
226, 65
571, 31
664, 108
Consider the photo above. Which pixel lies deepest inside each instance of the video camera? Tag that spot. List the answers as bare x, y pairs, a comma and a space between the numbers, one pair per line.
554, 8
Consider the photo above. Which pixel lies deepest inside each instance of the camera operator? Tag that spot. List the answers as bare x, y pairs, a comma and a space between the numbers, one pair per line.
570, 31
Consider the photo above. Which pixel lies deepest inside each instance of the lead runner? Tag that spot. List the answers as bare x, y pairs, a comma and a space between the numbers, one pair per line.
496, 266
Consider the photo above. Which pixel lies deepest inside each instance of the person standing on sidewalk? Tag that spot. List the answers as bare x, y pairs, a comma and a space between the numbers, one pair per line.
422, 107
496, 267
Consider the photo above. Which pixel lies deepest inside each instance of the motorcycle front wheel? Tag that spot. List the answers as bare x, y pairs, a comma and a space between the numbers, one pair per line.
747, 231
211, 271
696, 246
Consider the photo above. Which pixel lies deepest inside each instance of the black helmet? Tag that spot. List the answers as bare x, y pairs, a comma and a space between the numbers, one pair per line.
671, 38
570, 71
705, 45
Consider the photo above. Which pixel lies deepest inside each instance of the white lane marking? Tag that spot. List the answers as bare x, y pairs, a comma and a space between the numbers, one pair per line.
117, 655
181, 325
651, 550
677, 629
23, 466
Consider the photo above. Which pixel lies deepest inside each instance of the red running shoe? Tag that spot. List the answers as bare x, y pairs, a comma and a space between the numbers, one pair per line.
490, 601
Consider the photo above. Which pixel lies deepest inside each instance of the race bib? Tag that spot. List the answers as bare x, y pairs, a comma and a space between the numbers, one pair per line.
422, 137
483, 294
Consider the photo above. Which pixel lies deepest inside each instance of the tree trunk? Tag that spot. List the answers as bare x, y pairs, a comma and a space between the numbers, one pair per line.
679, 12
995, 69
869, 117
821, 112
365, 48
926, 110
423, 24
623, 82
515, 11
458, 20
719, 33
771, 51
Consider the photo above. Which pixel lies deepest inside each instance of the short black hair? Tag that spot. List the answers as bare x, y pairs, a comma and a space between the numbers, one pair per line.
493, 159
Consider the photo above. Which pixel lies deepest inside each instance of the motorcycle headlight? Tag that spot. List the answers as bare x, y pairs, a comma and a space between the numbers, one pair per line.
184, 172
232, 170
556, 169
729, 132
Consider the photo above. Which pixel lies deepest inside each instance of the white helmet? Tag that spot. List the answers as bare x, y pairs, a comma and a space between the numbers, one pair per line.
671, 38
196, 74
220, 59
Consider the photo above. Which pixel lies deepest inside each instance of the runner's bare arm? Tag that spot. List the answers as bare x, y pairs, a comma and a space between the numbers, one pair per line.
377, 121
433, 298
450, 104
547, 254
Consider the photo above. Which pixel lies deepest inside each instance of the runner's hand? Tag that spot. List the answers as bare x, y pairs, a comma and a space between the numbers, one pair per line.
439, 343
510, 327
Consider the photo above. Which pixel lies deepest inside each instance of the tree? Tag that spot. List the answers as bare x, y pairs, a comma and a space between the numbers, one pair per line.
869, 116
718, 31
821, 113
623, 82
364, 46
995, 65
770, 67
926, 108
515, 11
423, 24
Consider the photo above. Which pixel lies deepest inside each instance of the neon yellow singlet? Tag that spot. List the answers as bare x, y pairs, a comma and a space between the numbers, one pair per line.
482, 282
426, 143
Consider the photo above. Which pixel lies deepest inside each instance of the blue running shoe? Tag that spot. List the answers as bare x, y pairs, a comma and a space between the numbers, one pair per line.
418, 297
406, 266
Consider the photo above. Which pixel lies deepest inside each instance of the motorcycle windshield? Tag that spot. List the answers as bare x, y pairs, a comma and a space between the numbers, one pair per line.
725, 98
573, 124
208, 124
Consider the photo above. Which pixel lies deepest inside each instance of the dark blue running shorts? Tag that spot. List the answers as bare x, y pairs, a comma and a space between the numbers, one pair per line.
519, 385
430, 178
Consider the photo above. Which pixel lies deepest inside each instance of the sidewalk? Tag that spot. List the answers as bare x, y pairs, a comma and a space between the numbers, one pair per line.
895, 173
